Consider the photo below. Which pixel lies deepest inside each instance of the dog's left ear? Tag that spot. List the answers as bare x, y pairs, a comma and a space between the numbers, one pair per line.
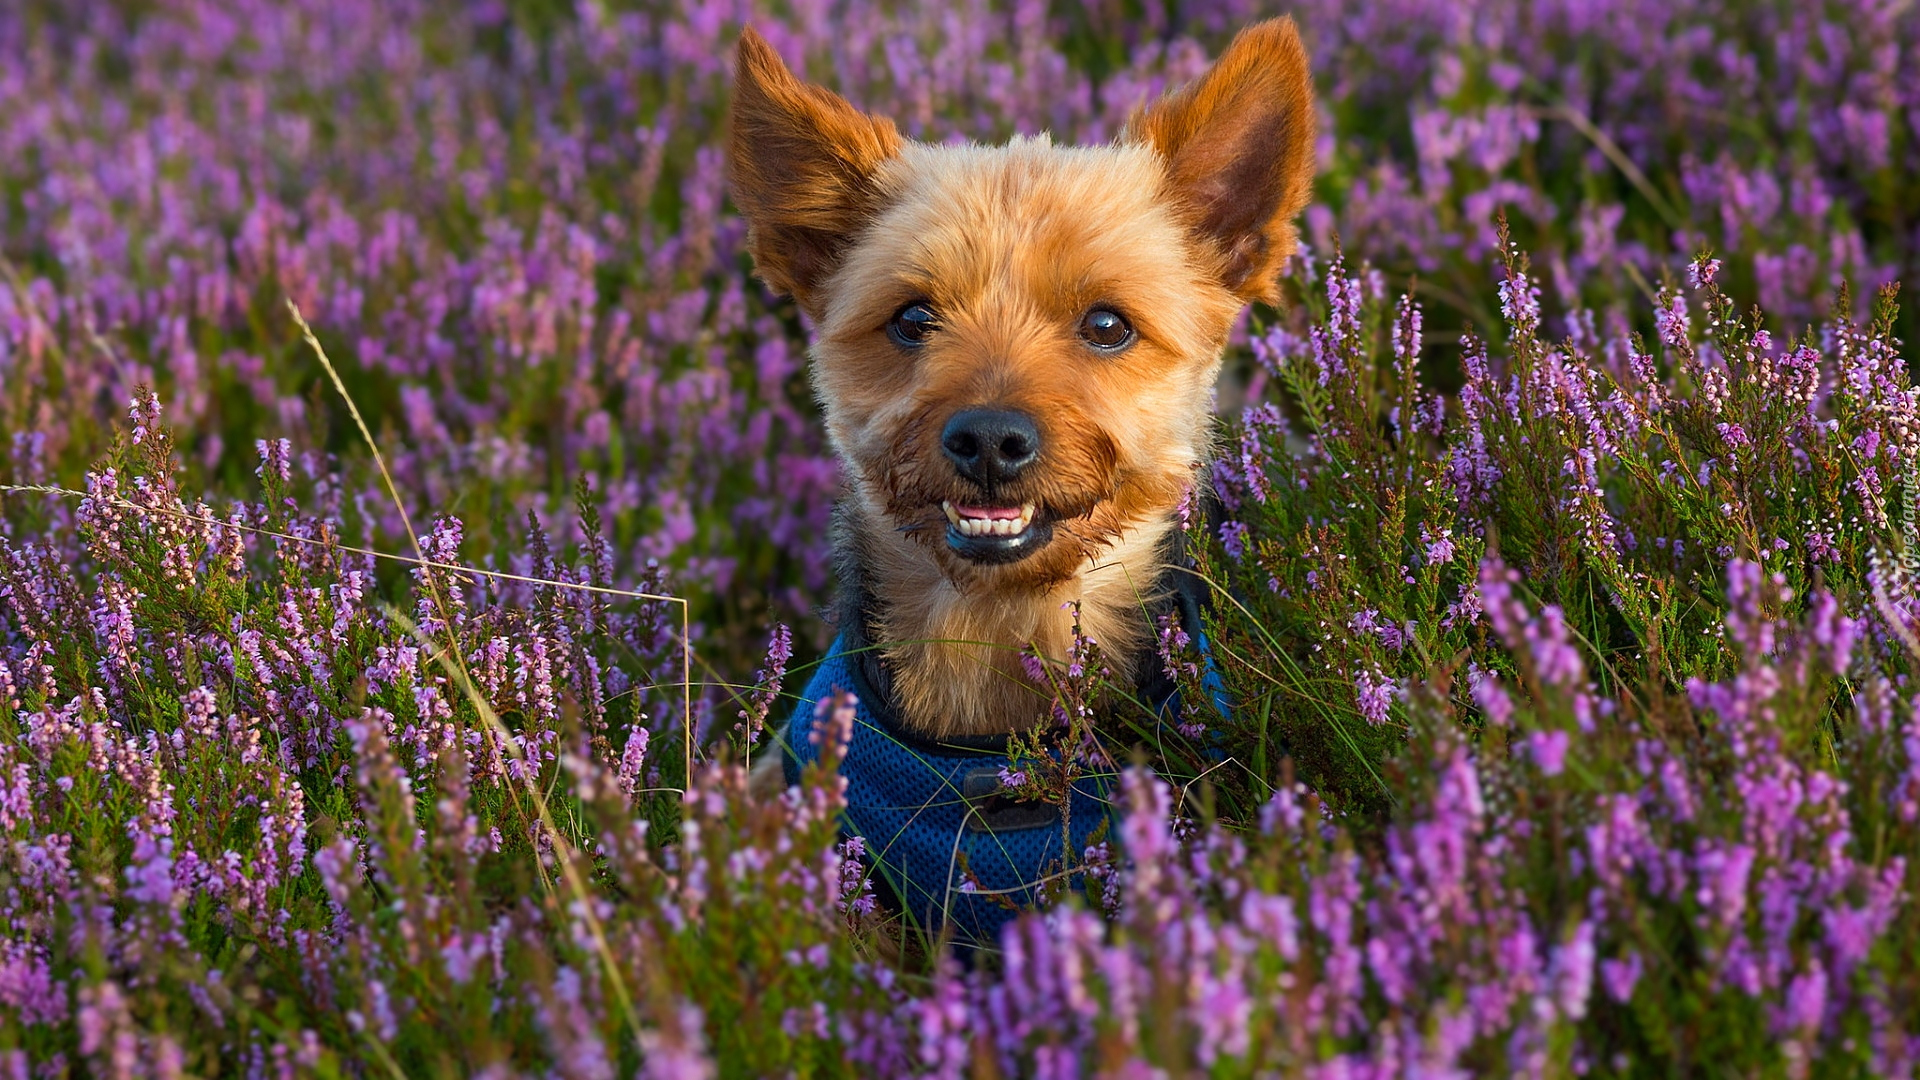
1238, 142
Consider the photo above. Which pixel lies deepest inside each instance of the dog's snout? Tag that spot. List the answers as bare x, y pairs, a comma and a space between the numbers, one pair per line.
990, 446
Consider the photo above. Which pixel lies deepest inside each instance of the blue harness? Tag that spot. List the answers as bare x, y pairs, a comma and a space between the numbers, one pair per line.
942, 835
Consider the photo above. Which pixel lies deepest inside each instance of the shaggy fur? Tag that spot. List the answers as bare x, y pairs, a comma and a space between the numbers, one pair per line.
1176, 227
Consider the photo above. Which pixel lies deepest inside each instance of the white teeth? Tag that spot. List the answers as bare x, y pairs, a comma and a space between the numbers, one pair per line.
980, 526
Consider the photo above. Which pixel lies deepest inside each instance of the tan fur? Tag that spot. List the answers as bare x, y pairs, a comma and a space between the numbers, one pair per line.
956, 662
1175, 227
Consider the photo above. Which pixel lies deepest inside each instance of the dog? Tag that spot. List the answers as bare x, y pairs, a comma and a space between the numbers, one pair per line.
1014, 349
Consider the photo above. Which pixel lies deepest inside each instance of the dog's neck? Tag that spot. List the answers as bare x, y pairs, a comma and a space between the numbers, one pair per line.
952, 655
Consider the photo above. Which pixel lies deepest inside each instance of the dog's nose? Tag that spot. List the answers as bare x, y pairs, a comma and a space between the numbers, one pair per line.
990, 446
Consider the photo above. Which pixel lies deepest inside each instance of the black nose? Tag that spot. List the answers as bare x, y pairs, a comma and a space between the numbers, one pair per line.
990, 446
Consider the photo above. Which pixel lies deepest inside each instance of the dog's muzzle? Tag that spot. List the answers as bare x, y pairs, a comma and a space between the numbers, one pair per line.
992, 448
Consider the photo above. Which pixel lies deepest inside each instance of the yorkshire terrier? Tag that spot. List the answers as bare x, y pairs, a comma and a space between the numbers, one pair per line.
1014, 349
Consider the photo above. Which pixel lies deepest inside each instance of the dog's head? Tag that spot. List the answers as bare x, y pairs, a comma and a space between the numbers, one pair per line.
1016, 346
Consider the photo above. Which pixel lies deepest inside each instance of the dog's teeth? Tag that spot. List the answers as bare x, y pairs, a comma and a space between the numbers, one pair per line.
988, 526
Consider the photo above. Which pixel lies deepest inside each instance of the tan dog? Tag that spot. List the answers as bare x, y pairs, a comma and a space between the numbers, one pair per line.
1015, 349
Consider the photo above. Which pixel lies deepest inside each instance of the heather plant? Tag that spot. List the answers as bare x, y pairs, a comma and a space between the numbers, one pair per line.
259, 820
1621, 477
1564, 601
1622, 137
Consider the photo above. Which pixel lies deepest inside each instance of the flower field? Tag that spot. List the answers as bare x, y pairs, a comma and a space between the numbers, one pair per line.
413, 514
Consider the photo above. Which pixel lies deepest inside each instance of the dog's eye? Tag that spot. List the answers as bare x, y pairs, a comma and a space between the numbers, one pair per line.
1106, 329
913, 325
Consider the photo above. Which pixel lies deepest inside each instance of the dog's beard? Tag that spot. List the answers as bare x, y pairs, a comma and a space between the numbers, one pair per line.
1075, 503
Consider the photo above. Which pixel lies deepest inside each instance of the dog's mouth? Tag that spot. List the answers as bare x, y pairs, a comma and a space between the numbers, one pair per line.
996, 534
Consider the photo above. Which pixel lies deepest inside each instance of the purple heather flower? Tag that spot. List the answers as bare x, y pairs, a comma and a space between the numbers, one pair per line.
1748, 625
1173, 644
632, 759
1490, 696
767, 684
1257, 420
833, 723
1806, 1003
1620, 976
28, 986
1233, 537
1572, 972
1831, 630
1702, 271
1670, 319
1034, 668
679, 1051
1519, 302
856, 884
1373, 694
1548, 750
1184, 512
276, 459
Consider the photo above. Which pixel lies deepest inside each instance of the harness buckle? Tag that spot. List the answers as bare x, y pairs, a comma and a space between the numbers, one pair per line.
989, 809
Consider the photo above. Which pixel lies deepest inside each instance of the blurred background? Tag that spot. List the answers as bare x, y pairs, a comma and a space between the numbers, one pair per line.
508, 223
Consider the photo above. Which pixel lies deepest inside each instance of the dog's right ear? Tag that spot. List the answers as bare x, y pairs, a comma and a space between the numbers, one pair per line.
803, 170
